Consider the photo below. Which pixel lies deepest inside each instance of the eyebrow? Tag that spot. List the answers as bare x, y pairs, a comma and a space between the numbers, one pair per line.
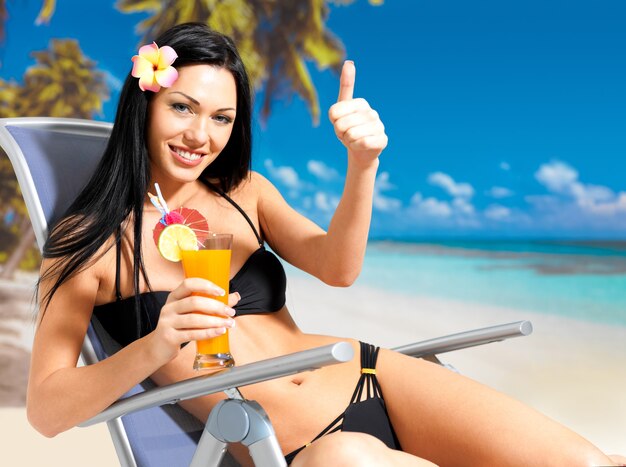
187, 96
198, 103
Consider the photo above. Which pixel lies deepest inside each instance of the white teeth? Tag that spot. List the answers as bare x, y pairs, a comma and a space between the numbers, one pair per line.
187, 155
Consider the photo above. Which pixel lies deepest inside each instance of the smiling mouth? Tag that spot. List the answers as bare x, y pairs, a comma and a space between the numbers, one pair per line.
190, 156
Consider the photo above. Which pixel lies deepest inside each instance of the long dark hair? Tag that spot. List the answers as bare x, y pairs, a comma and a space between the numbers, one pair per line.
117, 190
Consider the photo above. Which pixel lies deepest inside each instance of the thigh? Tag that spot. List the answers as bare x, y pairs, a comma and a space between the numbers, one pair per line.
354, 449
453, 420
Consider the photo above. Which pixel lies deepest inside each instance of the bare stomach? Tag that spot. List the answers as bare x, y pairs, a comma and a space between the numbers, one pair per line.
299, 406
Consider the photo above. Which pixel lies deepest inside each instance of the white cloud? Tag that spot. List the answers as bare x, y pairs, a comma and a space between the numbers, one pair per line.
321, 170
383, 183
325, 202
430, 206
436, 208
505, 166
382, 202
497, 212
591, 193
321, 201
450, 186
462, 206
416, 199
499, 192
557, 176
459, 210
618, 205
562, 179
285, 174
385, 203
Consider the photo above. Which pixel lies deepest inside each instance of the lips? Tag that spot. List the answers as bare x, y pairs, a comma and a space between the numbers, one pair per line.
188, 158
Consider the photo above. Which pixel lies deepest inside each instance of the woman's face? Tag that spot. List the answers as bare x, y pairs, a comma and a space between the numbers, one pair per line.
190, 122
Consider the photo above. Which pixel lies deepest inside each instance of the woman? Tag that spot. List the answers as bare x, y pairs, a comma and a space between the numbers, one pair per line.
193, 139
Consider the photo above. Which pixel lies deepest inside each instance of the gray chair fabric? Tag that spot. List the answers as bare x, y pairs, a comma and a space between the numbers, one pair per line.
60, 167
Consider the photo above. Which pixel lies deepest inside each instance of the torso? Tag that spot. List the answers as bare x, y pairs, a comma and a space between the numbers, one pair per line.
255, 337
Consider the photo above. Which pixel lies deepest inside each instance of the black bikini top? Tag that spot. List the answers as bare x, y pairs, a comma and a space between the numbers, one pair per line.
261, 282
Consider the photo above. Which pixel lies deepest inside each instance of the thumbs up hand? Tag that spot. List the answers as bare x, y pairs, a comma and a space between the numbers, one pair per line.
356, 124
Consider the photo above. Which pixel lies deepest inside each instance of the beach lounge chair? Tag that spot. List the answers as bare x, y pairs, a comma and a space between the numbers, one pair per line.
52, 159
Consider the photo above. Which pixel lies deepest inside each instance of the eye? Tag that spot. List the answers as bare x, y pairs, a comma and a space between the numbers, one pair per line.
224, 119
181, 108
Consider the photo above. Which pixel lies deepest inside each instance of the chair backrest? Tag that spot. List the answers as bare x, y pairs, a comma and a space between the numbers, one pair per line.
53, 158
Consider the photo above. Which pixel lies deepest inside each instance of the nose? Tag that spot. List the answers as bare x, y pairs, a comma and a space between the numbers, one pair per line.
197, 133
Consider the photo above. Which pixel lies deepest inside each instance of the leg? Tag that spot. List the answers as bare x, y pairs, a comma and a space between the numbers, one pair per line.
354, 449
452, 420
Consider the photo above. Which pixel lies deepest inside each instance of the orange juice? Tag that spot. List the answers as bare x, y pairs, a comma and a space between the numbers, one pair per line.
213, 265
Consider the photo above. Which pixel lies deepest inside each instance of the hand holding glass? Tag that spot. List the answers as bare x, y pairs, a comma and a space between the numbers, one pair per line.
212, 262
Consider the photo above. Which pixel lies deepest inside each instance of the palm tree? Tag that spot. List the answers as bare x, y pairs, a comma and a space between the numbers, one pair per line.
46, 12
62, 71
62, 83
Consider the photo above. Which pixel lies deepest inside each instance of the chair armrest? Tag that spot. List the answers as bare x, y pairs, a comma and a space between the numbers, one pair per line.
466, 339
210, 383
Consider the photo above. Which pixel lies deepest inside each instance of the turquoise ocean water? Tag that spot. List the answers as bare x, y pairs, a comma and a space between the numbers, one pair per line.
583, 280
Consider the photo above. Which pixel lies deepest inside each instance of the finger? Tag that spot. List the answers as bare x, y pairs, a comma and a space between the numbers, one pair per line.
200, 304
370, 143
201, 334
357, 132
343, 108
192, 321
233, 298
195, 285
346, 81
355, 119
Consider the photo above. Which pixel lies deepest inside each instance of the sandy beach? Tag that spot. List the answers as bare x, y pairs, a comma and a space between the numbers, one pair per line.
570, 370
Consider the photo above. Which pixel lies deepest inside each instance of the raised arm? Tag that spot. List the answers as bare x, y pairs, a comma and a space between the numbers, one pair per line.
335, 256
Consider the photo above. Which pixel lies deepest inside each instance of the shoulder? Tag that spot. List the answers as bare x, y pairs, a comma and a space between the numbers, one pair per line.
255, 182
255, 188
68, 262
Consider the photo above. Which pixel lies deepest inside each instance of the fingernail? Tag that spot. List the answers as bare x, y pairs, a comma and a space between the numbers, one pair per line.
238, 296
220, 331
220, 292
231, 323
230, 311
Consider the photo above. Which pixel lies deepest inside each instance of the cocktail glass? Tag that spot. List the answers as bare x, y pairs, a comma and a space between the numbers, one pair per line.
212, 262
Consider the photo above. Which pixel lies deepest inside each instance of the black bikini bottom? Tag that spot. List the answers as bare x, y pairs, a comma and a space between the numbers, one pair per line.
364, 415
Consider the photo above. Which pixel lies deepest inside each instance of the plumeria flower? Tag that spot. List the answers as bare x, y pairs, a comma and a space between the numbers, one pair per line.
153, 67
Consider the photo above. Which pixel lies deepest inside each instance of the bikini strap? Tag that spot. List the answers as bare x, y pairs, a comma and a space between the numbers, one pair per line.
243, 213
368, 380
118, 256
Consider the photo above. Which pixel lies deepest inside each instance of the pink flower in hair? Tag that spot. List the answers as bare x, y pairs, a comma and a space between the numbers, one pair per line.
153, 67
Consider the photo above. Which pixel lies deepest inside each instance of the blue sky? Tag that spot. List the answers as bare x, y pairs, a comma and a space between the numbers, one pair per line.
505, 119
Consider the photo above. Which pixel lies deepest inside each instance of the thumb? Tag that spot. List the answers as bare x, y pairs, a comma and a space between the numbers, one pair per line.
346, 81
